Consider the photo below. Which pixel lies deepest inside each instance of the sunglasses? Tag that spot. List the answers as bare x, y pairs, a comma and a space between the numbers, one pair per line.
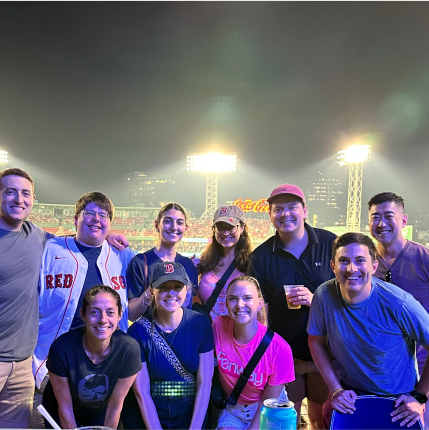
388, 276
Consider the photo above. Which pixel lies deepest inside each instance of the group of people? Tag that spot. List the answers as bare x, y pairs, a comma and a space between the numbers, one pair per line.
349, 326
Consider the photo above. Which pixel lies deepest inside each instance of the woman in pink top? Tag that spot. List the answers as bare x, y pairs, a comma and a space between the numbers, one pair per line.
230, 240
237, 335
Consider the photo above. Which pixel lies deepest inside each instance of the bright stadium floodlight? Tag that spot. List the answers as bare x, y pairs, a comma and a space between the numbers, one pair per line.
213, 162
211, 166
355, 156
3, 157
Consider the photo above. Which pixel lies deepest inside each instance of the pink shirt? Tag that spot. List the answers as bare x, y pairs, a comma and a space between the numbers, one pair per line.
206, 286
274, 368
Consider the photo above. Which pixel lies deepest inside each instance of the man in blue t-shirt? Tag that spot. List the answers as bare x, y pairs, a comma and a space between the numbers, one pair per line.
372, 328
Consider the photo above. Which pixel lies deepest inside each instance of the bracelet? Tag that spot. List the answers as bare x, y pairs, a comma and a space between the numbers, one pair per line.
336, 392
146, 297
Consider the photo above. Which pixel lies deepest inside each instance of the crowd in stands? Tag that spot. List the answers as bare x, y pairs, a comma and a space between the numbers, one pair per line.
42, 218
134, 227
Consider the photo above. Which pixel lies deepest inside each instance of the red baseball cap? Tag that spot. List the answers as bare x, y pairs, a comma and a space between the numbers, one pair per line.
286, 189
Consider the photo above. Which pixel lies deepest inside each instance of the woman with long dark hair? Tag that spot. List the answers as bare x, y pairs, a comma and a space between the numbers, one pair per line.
171, 225
230, 242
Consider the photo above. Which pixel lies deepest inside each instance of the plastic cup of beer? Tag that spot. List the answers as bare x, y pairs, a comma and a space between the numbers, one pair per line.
288, 289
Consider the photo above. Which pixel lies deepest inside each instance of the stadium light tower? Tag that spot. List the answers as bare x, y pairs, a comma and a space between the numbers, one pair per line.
354, 156
3, 157
212, 166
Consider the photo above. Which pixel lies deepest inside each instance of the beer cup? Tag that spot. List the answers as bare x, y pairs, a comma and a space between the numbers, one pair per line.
287, 292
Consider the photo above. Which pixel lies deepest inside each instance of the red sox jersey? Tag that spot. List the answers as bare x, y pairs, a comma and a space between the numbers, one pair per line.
62, 276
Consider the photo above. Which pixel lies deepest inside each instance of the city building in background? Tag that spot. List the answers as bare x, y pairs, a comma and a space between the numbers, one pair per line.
148, 189
326, 199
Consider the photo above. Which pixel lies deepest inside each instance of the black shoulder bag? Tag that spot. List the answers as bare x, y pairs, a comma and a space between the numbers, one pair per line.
211, 301
219, 401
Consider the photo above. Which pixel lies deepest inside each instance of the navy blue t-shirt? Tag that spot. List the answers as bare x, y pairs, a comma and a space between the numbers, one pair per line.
93, 277
91, 385
137, 282
193, 336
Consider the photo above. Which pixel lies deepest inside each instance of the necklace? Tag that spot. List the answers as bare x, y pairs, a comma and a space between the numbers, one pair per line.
163, 333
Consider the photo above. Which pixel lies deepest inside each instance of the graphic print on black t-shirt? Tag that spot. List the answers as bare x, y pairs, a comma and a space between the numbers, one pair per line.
93, 389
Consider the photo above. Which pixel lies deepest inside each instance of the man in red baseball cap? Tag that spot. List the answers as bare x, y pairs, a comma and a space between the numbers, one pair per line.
297, 255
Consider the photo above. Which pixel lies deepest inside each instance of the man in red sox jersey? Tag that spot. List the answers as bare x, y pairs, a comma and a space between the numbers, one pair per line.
72, 265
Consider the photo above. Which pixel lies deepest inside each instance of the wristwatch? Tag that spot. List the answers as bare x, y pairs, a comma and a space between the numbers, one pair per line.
420, 397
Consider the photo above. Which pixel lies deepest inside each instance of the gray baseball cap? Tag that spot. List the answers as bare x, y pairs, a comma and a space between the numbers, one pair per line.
232, 215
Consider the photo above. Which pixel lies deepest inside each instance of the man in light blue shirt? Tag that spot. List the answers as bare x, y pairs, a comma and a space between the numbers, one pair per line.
372, 328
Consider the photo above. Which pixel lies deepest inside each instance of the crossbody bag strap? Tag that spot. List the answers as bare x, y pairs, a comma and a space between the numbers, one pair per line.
219, 285
167, 351
256, 357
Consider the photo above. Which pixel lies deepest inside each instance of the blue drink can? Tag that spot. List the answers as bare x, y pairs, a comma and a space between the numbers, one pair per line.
277, 414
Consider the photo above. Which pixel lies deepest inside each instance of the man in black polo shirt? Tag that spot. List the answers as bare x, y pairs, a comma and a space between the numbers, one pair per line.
296, 255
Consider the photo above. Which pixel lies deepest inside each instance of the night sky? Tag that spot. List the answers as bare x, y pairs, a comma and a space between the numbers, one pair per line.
92, 91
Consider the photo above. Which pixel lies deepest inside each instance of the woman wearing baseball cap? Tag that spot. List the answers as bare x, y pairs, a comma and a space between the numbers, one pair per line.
173, 388
230, 244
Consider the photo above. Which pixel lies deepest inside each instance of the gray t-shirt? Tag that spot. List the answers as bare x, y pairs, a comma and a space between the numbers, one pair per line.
410, 271
372, 342
20, 260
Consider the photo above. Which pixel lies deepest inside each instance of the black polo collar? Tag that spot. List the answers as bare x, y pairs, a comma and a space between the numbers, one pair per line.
312, 237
